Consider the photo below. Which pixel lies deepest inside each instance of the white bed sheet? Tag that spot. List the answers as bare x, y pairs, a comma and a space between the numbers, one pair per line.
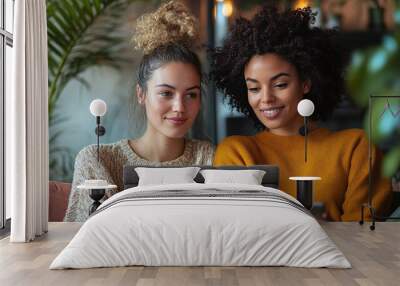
192, 231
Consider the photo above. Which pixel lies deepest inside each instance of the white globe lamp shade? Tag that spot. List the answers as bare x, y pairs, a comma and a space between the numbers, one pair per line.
98, 107
305, 107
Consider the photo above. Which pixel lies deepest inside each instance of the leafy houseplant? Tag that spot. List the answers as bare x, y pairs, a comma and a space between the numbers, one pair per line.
81, 34
375, 71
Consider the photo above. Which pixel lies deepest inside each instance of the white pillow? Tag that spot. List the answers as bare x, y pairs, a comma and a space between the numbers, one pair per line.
163, 176
248, 177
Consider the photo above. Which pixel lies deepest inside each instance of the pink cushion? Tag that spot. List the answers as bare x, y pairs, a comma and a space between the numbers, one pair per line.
58, 200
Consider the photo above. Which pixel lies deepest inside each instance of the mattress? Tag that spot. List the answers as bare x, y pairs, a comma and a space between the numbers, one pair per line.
201, 225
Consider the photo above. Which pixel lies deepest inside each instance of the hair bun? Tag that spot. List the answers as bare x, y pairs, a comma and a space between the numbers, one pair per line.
170, 23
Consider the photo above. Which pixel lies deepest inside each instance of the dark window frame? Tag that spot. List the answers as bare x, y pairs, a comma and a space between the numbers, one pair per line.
6, 39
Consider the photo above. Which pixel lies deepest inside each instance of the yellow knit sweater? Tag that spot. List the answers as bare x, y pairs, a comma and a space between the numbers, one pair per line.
339, 158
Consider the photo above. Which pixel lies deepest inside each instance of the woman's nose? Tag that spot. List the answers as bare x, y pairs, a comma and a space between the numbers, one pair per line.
267, 95
178, 104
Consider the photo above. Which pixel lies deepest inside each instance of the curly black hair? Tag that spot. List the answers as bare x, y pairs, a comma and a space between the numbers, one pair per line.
288, 34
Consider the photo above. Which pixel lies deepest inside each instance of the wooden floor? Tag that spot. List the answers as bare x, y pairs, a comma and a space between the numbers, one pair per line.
374, 255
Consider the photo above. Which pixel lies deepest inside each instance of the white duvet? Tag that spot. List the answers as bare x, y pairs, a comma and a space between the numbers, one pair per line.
206, 230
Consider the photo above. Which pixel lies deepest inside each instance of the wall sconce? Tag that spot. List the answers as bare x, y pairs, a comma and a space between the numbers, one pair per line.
97, 188
304, 192
98, 108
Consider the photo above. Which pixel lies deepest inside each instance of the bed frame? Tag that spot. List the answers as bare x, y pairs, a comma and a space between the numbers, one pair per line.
270, 179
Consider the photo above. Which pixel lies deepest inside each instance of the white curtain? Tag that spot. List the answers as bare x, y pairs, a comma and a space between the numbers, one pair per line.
26, 124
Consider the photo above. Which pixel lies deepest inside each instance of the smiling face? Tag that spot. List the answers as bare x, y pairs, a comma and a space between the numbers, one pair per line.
172, 100
274, 90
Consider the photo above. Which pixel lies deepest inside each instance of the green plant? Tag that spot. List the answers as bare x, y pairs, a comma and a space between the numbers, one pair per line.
375, 71
81, 34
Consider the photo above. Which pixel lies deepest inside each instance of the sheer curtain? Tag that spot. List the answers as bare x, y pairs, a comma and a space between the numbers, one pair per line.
26, 124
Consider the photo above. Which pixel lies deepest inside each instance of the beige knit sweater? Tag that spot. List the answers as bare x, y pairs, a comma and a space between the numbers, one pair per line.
112, 159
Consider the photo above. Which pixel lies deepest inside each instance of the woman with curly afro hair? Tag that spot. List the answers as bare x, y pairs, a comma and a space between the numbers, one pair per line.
265, 67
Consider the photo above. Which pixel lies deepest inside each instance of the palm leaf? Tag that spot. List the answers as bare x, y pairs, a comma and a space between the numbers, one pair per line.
81, 34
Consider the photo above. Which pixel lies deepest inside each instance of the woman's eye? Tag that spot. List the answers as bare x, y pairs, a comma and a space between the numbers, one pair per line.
281, 85
192, 95
165, 93
253, 89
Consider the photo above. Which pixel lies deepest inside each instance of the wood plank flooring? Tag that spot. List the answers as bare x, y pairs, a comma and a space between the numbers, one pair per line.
374, 255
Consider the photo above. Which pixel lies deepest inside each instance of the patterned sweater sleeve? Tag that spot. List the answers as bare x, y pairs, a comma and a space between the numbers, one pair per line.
86, 168
203, 153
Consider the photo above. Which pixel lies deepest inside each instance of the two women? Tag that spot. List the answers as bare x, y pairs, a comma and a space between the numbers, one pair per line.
169, 89
265, 67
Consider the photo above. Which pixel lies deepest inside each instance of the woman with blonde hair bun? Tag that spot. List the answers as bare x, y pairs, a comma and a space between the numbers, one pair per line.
169, 88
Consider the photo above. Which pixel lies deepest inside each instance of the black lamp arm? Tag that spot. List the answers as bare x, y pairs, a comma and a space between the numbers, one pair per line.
305, 138
100, 131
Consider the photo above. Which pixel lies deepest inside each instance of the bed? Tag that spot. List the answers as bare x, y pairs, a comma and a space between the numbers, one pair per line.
201, 223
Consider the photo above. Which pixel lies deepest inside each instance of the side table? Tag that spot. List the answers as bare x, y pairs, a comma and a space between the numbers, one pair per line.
96, 193
304, 191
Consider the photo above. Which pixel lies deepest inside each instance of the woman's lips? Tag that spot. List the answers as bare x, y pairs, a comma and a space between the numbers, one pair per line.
176, 120
272, 113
